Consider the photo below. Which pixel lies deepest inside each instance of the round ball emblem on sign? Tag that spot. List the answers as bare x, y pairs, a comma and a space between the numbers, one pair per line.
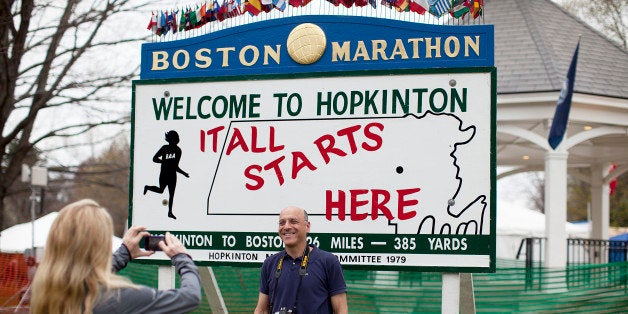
306, 43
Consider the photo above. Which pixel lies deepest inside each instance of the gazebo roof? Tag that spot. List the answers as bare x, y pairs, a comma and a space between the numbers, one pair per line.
534, 43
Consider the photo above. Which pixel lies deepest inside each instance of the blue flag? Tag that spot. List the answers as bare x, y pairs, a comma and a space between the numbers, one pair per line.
439, 7
561, 116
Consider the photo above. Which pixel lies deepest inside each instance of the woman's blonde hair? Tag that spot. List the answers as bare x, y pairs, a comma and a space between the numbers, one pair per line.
76, 267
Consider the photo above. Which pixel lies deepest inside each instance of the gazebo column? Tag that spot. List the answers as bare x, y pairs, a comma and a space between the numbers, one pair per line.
600, 202
556, 209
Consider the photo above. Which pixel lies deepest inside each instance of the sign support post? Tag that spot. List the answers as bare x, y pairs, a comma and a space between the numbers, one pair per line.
451, 293
212, 290
467, 296
165, 277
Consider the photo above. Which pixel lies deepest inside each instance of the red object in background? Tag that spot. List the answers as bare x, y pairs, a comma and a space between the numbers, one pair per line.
613, 184
14, 278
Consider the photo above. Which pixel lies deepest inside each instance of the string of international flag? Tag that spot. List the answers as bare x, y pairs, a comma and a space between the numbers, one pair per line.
208, 11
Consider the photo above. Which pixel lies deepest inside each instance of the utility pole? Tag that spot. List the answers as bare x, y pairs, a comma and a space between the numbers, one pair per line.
38, 178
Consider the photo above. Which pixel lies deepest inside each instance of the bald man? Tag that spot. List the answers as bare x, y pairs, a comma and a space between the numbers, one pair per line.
302, 278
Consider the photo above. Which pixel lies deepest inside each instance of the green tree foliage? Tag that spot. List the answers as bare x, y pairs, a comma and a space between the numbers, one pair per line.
578, 198
619, 203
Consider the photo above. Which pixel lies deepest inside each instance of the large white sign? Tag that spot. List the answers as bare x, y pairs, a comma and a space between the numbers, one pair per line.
394, 170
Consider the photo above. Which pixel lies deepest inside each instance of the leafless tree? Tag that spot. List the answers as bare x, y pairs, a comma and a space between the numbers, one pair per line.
105, 178
57, 77
536, 192
610, 17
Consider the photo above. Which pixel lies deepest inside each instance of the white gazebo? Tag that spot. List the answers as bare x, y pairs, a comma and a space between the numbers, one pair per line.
534, 44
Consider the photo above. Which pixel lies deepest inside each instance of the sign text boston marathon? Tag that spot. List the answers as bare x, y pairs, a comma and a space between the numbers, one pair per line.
383, 130
450, 47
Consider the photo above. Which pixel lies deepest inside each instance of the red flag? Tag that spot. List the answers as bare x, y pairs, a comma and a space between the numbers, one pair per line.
234, 8
254, 7
223, 11
152, 24
477, 8
201, 14
419, 6
402, 5
613, 184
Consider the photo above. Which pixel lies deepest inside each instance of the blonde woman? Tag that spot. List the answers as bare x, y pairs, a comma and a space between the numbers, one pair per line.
75, 275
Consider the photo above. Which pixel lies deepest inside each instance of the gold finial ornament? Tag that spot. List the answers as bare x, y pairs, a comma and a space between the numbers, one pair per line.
306, 43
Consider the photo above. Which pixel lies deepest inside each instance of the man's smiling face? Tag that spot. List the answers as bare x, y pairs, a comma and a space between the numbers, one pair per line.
293, 227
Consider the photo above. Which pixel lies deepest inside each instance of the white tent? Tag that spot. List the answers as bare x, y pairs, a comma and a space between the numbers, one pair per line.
18, 238
515, 223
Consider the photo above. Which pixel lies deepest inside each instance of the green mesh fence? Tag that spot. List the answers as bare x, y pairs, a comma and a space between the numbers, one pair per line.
595, 288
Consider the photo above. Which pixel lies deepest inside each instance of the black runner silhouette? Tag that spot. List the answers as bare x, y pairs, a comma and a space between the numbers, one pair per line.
168, 156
